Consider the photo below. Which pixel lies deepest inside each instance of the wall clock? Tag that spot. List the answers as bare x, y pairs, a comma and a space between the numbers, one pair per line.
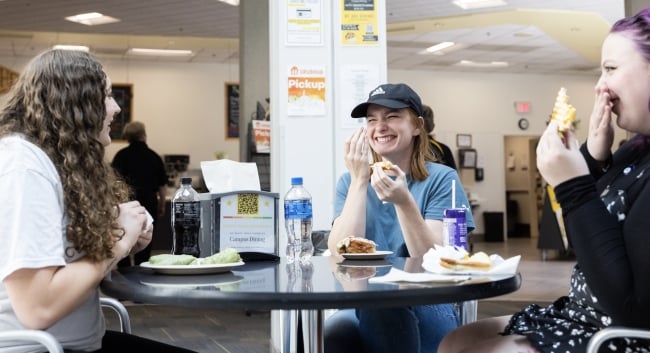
523, 123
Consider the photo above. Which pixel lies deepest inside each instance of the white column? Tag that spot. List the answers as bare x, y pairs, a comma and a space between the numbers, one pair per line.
310, 144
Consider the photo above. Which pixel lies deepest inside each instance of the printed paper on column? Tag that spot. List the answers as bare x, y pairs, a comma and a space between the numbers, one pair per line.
306, 90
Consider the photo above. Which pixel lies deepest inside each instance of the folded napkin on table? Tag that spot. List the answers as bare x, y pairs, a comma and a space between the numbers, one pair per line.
431, 262
395, 275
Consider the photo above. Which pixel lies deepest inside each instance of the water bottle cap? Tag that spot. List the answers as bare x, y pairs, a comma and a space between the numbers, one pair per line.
186, 180
296, 181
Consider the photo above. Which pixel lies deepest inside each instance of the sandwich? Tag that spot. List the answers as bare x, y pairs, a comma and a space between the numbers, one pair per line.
480, 261
355, 245
563, 112
171, 259
385, 165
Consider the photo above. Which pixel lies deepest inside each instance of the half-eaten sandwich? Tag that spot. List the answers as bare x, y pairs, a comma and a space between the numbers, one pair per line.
356, 245
479, 261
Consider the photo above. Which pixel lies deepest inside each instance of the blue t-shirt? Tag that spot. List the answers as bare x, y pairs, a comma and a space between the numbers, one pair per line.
432, 195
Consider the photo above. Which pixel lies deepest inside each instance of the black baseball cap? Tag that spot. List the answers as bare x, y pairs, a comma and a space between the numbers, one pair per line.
394, 96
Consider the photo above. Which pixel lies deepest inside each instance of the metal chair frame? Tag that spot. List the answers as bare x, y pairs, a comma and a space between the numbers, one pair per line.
50, 342
608, 333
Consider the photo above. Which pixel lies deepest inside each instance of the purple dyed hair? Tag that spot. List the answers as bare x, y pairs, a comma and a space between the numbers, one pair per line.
637, 28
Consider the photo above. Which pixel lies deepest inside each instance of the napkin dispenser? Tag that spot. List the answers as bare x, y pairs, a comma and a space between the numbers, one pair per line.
244, 220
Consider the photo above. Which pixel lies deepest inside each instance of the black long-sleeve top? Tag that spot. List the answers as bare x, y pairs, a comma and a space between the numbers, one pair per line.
144, 171
613, 248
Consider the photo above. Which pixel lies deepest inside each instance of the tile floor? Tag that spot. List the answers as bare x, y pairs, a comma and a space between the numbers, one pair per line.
234, 331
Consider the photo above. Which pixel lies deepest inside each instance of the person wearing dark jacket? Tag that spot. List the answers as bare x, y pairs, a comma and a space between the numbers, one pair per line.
604, 198
441, 151
144, 172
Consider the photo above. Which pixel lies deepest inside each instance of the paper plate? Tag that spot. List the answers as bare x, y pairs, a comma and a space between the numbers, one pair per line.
191, 269
377, 255
431, 262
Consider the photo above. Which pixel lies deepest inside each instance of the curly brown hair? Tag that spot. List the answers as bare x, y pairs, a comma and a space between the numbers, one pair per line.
421, 151
58, 103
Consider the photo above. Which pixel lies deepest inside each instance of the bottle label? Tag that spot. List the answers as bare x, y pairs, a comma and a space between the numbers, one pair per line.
187, 224
454, 227
297, 209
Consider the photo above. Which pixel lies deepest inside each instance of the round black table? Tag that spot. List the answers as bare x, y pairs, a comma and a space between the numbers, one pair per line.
307, 288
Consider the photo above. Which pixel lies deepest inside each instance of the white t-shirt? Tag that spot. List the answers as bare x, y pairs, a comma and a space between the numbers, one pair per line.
33, 224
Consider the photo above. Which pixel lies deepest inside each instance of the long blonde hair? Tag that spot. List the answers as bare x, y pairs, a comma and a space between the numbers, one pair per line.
58, 103
421, 150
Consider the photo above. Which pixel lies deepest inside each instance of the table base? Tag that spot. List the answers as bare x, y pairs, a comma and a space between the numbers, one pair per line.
309, 323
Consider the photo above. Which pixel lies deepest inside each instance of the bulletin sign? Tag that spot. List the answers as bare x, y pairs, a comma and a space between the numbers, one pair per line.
232, 110
359, 23
123, 95
305, 22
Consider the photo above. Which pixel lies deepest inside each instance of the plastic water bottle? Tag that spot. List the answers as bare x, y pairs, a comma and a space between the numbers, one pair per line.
297, 222
454, 227
186, 219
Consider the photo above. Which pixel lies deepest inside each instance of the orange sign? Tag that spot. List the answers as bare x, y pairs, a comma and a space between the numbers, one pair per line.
306, 90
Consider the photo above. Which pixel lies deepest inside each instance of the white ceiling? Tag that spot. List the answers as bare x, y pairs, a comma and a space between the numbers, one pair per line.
533, 36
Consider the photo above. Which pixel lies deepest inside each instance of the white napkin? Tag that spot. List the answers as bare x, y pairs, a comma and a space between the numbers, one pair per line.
431, 262
149, 221
224, 175
395, 275
149, 218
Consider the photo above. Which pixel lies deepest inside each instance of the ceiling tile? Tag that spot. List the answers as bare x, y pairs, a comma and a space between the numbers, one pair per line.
211, 28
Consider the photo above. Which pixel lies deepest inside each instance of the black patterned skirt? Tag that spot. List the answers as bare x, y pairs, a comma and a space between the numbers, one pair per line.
567, 325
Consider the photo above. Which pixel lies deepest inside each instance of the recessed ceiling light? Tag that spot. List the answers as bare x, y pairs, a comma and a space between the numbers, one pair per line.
91, 19
478, 4
231, 2
159, 52
439, 46
71, 47
471, 63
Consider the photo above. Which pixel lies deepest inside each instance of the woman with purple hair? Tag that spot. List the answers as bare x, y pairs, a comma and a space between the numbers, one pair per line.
605, 200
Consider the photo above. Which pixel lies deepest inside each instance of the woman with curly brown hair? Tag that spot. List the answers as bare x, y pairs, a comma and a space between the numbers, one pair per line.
65, 218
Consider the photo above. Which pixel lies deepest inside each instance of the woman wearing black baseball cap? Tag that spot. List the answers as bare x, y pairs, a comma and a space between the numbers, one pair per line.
401, 210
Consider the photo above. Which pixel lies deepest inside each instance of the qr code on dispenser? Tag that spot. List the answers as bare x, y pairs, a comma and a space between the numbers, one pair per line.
248, 204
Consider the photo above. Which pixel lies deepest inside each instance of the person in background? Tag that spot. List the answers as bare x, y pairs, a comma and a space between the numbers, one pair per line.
441, 151
401, 210
144, 171
66, 220
604, 200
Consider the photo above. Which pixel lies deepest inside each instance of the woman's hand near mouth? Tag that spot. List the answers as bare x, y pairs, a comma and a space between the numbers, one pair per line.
601, 129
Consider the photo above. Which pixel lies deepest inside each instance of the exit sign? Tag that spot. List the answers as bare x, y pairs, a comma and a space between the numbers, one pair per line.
522, 107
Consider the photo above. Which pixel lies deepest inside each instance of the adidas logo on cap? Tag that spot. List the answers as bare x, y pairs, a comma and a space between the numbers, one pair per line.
379, 90
393, 96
